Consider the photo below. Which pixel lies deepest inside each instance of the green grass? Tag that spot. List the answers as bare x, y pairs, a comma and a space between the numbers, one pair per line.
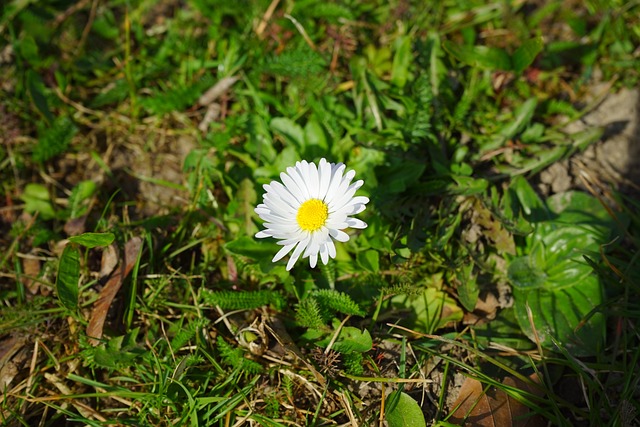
448, 111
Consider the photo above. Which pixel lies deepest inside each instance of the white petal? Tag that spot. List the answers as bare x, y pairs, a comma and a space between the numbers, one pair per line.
282, 252
331, 247
303, 170
290, 182
286, 195
280, 208
344, 185
342, 199
313, 260
339, 235
314, 245
356, 223
262, 234
324, 173
314, 183
336, 179
296, 253
324, 254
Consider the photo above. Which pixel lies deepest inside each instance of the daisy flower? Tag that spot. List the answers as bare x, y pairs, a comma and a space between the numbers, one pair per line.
309, 209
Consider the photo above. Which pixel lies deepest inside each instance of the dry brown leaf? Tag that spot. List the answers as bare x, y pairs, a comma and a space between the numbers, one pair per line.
75, 226
12, 355
31, 270
494, 408
486, 309
109, 260
110, 289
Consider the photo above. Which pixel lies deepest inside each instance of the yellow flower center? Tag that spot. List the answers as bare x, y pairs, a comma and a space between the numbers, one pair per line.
312, 214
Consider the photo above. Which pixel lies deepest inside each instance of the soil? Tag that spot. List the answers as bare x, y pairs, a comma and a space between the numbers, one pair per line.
614, 161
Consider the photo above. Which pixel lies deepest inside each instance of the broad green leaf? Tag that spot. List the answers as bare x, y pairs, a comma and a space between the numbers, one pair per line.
405, 413
290, 131
350, 339
92, 240
315, 140
369, 260
533, 207
555, 282
467, 288
428, 311
399, 175
401, 61
504, 330
260, 143
525, 274
314, 134
255, 249
36, 199
491, 58
526, 54
69, 276
564, 315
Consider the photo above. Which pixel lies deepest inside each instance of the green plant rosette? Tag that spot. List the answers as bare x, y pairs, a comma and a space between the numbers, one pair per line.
557, 294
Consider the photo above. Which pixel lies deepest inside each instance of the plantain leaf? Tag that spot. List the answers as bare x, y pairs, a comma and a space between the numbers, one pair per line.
92, 240
406, 412
553, 282
69, 276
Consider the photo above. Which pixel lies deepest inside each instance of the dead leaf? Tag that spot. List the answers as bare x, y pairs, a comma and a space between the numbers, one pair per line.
101, 307
486, 309
494, 408
75, 226
484, 223
13, 354
109, 260
31, 270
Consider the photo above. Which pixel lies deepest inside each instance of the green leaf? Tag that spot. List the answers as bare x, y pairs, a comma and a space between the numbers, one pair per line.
36, 91
526, 54
255, 249
314, 134
564, 315
523, 115
401, 61
491, 58
429, 311
553, 280
92, 240
504, 330
68, 277
467, 288
525, 274
532, 206
405, 413
369, 260
81, 193
583, 139
350, 339
36, 199
290, 131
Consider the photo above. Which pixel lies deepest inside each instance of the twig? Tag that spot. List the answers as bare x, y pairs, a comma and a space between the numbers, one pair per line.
266, 17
